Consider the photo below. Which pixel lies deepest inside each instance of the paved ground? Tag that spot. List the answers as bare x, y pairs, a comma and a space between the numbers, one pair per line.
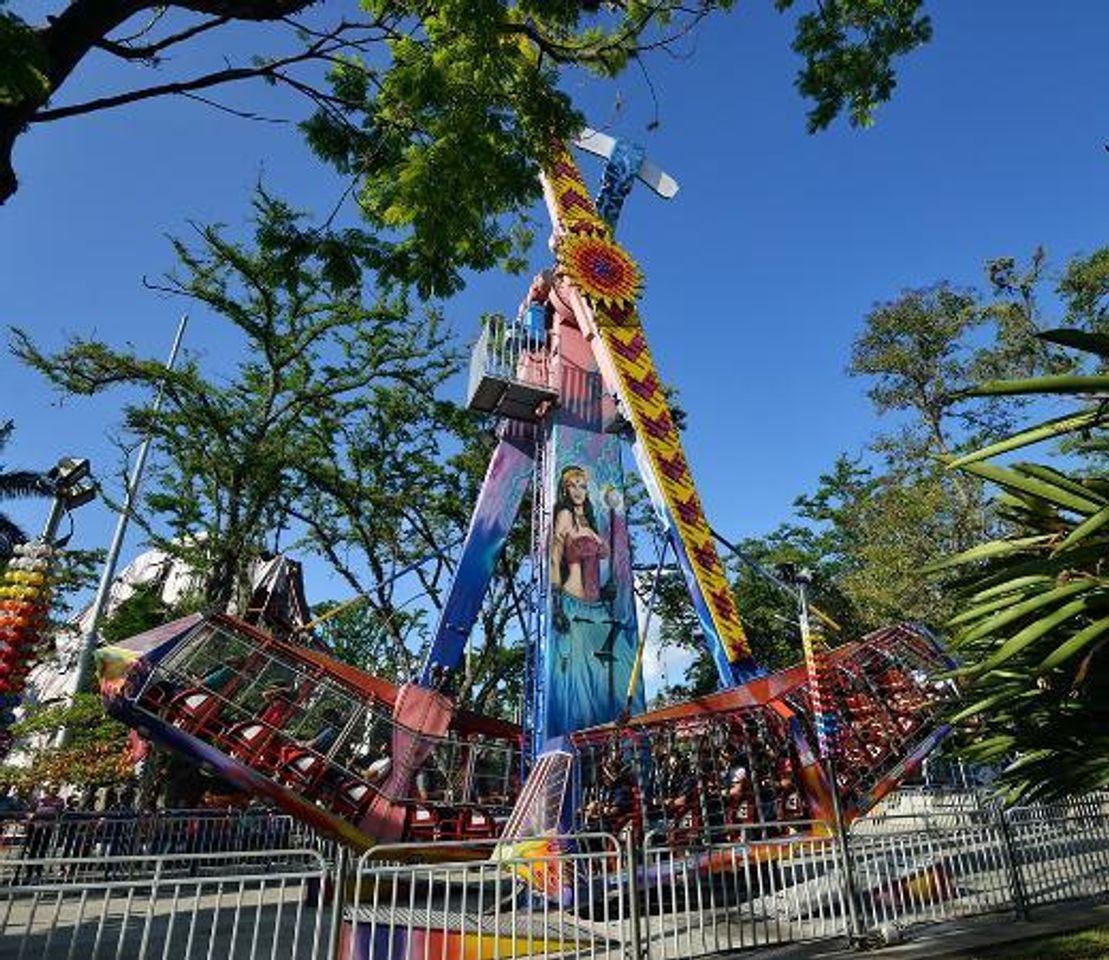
956, 938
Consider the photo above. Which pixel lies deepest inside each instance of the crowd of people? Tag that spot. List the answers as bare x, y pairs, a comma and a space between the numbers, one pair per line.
108, 825
686, 786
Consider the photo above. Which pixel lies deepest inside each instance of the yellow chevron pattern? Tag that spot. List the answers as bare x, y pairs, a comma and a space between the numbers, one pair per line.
608, 278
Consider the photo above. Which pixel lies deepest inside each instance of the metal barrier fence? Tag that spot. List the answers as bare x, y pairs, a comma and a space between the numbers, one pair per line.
664, 897
1061, 852
908, 875
493, 907
742, 887
96, 837
202, 906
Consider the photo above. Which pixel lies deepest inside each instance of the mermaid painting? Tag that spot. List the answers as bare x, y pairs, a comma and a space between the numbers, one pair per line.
590, 661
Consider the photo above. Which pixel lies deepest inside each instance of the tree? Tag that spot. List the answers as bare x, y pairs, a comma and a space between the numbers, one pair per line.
96, 753
314, 355
1034, 617
143, 610
16, 483
922, 352
397, 493
422, 98
330, 430
867, 531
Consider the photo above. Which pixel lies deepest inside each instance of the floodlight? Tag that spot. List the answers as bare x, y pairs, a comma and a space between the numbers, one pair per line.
79, 495
69, 471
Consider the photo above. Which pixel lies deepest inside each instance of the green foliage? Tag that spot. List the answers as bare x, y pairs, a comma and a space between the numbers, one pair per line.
849, 47
95, 754
924, 350
319, 365
471, 101
141, 611
1034, 620
355, 634
15, 483
867, 532
22, 61
1084, 287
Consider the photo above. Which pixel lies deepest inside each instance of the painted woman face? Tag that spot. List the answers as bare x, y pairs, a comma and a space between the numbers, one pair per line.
577, 489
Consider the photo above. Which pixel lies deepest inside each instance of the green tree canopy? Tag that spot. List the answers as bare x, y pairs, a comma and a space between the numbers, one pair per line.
415, 101
317, 349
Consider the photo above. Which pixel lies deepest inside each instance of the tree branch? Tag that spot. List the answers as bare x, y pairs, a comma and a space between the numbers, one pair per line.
217, 78
150, 52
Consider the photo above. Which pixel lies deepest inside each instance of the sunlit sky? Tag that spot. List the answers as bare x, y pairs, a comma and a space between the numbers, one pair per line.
758, 273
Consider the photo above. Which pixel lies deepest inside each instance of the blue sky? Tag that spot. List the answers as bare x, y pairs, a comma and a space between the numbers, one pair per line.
757, 275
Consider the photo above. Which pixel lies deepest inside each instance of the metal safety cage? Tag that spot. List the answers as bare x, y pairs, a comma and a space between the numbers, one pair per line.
511, 371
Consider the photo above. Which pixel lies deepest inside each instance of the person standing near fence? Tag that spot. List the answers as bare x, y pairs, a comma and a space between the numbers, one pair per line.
111, 832
41, 827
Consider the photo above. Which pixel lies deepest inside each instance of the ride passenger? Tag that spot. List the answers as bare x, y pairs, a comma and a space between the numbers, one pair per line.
378, 769
219, 678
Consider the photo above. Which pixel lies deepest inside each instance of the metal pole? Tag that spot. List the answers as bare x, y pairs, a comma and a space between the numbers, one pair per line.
829, 757
753, 564
637, 665
338, 902
50, 528
88, 639
1012, 865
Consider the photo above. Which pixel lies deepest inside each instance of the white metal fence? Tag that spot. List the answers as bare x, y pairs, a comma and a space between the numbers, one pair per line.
202, 906
493, 907
96, 839
729, 888
740, 887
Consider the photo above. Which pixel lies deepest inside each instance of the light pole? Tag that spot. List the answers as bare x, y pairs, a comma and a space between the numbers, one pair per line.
825, 722
87, 646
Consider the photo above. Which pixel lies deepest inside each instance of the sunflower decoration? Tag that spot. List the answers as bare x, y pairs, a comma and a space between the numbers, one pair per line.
600, 269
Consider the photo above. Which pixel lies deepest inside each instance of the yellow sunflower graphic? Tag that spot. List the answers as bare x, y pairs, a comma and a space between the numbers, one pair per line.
599, 268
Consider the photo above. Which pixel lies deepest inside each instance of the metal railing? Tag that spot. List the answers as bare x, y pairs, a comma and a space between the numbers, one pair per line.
188, 907
96, 839
664, 896
741, 887
569, 903
511, 372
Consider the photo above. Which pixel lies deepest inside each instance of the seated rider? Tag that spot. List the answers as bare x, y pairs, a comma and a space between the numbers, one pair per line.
318, 745
377, 769
615, 793
280, 702
220, 677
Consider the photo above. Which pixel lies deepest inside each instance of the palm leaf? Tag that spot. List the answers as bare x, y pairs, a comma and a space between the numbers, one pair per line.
994, 700
997, 603
1061, 383
1097, 343
995, 548
1079, 488
1051, 492
1075, 644
23, 483
1087, 527
1018, 610
1031, 634
1044, 431
1011, 586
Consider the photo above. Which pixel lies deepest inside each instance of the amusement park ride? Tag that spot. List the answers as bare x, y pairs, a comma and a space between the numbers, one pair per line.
573, 384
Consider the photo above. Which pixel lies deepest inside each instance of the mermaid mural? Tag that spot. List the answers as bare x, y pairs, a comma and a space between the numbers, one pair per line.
593, 631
